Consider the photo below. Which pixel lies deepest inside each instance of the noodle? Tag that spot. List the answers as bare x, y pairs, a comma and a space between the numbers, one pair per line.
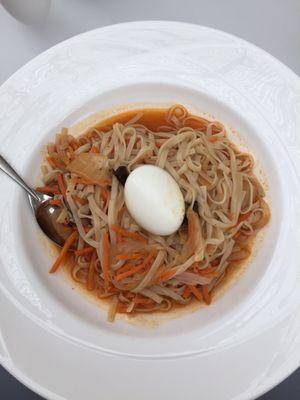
142, 272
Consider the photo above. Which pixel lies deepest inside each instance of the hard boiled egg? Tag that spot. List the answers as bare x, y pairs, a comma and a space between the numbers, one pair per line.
154, 200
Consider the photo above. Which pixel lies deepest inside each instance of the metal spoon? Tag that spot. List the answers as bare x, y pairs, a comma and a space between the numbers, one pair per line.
45, 213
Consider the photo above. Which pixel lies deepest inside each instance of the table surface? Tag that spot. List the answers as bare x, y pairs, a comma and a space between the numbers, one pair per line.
271, 25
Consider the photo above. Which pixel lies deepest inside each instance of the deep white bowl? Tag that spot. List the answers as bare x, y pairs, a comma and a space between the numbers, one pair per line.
60, 344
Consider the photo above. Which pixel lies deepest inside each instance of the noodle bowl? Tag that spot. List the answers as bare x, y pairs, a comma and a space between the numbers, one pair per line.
113, 256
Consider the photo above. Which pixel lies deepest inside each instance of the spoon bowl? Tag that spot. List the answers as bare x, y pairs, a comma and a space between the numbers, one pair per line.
45, 213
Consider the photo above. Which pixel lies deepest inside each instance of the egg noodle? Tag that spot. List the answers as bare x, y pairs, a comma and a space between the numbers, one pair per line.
116, 258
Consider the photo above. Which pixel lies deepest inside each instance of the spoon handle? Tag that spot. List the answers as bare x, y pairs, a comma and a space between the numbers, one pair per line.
8, 169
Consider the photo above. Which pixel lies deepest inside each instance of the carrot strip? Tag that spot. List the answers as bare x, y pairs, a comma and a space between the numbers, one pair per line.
106, 259
90, 280
212, 139
196, 292
132, 271
71, 239
137, 268
80, 200
55, 202
52, 162
165, 276
209, 272
126, 233
243, 217
94, 149
142, 300
48, 189
158, 144
236, 235
86, 250
55, 163
105, 196
113, 290
70, 153
61, 185
129, 256
215, 262
122, 308
186, 292
212, 275
206, 294
120, 238
121, 212
74, 145
125, 267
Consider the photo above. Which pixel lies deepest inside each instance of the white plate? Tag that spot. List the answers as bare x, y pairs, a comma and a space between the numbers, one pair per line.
57, 342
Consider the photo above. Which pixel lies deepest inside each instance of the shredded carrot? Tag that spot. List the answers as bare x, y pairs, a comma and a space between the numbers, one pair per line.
70, 153
132, 271
113, 290
90, 280
129, 234
80, 200
71, 239
94, 149
196, 292
56, 202
70, 150
158, 144
243, 217
86, 250
74, 145
129, 256
61, 185
122, 308
148, 306
165, 276
92, 134
121, 212
206, 294
106, 259
142, 300
236, 235
125, 267
129, 295
104, 195
135, 269
186, 292
209, 272
120, 238
212, 139
48, 189
215, 262
194, 267
52, 162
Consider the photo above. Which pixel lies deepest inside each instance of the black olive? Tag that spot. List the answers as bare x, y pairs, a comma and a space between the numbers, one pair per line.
121, 174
